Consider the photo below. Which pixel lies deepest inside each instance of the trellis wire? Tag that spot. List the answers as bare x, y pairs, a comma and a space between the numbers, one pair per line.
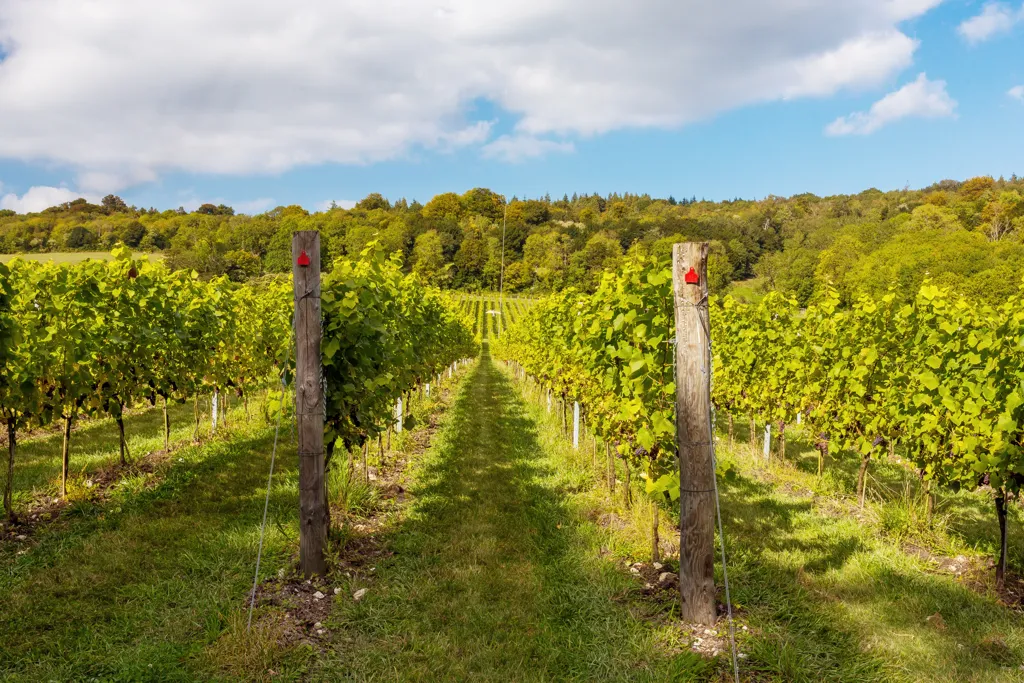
266, 505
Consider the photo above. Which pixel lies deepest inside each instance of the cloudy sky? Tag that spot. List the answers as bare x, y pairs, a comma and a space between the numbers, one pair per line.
257, 103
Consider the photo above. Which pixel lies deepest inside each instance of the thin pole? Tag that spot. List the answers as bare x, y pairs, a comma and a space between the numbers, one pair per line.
501, 280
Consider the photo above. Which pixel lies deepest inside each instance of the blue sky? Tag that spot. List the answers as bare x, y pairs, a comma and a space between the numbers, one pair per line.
461, 98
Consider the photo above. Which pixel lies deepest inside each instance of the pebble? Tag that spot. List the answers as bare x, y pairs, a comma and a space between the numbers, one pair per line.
337, 591
665, 577
318, 596
22, 537
634, 570
659, 566
319, 631
318, 625
358, 595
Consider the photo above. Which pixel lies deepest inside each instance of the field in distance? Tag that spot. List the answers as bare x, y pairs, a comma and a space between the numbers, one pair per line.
74, 256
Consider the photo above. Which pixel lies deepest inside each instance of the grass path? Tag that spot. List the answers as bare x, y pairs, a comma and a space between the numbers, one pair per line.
493, 577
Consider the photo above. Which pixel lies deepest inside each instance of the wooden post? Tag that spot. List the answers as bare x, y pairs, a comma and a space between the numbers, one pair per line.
309, 404
693, 434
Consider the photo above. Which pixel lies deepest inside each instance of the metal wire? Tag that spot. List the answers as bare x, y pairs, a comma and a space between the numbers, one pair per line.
718, 506
266, 505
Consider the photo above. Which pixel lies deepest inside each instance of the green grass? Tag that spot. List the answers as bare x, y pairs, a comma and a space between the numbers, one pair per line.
747, 291
796, 538
827, 592
503, 567
95, 446
494, 577
73, 256
135, 587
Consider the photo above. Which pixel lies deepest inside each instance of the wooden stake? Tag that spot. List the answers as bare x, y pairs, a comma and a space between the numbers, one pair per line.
693, 434
309, 406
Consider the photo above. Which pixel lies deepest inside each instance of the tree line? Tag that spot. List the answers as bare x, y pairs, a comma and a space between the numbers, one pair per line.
968, 236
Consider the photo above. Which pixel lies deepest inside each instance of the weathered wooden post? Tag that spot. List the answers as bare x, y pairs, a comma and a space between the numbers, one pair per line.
693, 434
309, 403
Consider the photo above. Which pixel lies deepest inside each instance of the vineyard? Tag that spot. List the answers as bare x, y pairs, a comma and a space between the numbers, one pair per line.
510, 520
938, 383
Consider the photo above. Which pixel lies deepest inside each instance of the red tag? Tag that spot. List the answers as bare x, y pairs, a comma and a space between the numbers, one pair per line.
303, 259
691, 277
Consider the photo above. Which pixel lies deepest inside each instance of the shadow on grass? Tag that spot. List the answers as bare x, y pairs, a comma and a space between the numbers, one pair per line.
968, 516
818, 585
129, 589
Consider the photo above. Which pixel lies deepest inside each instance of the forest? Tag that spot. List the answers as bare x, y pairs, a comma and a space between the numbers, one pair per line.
964, 235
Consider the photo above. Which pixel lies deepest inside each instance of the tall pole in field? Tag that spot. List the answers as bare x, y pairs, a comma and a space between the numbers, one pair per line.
693, 433
309, 403
501, 281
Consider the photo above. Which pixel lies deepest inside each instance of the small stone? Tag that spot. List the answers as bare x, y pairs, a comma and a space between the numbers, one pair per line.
21, 537
708, 632
319, 631
741, 655
337, 591
358, 595
936, 621
318, 625
665, 577
659, 566
634, 570
318, 596
648, 586
745, 627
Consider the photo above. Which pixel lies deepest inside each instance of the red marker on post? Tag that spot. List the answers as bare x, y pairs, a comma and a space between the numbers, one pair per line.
303, 259
691, 277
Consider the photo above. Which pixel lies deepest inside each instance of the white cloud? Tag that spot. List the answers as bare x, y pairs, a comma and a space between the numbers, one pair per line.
340, 203
995, 17
516, 148
920, 99
42, 197
124, 90
1016, 92
253, 206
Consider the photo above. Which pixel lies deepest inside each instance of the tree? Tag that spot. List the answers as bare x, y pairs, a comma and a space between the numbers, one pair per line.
482, 202
444, 206
374, 200
114, 204
471, 257
428, 257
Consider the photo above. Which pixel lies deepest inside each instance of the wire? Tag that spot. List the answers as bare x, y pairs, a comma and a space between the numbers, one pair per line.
266, 505
718, 505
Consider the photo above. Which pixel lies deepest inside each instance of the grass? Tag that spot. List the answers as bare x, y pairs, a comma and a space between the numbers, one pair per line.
493, 576
747, 291
94, 446
797, 539
506, 565
73, 256
133, 587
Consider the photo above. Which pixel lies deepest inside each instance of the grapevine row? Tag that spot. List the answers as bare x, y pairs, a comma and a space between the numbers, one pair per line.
940, 380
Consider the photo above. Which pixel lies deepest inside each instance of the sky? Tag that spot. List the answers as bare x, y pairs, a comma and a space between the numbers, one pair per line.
258, 104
